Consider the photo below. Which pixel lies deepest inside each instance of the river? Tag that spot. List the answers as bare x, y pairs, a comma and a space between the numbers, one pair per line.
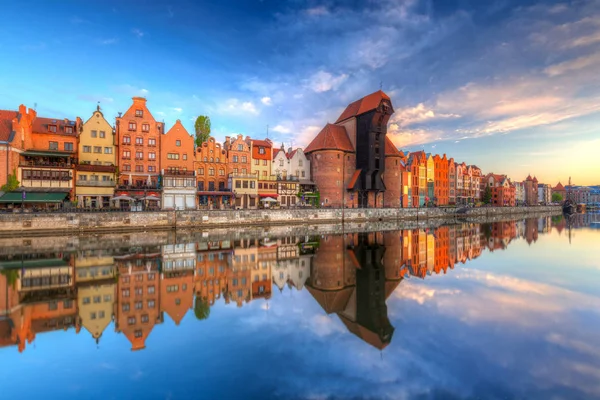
503, 310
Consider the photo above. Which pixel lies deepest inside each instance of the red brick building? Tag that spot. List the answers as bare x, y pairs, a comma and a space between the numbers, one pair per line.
531, 190
211, 175
348, 157
503, 191
442, 189
15, 127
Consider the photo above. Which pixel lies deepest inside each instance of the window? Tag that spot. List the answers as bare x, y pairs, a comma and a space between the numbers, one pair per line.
173, 156
211, 172
200, 171
245, 184
244, 159
252, 184
131, 320
178, 143
244, 171
151, 142
102, 134
139, 113
261, 150
257, 162
126, 167
221, 172
280, 163
126, 140
68, 129
238, 184
235, 170
235, 158
139, 155
94, 134
139, 140
97, 299
151, 155
53, 146
303, 174
87, 149
97, 149
107, 298
138, 333
132, 126
240, 147
52, 128
145, 128
299, 163
126, 154
86, 300
264, 173
145, 318
150, 303
217, 159
93, 315
151, 168
67, 304
125, 292
139, 305
151, 289
108, 150
139, 168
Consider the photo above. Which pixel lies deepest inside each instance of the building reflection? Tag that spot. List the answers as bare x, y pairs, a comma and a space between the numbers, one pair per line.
350, 275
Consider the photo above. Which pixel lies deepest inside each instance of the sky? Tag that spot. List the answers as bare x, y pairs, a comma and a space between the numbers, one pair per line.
509, 85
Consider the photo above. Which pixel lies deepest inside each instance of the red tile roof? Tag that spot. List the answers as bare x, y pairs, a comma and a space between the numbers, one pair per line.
391, 149
332, 137
291, 154
559, 187
258, 142
354, 179
363, 105
275, 152
6, 118
40, 125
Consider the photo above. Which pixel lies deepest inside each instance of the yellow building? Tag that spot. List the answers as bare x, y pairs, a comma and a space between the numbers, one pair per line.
430, 177
95, 292
95, 172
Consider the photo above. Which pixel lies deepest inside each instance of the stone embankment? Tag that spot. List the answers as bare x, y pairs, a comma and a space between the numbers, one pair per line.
28, 224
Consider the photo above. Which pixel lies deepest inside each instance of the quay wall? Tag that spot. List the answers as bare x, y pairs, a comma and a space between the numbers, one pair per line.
27, 224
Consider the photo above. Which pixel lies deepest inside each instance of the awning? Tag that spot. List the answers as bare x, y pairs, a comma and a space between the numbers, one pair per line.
150, 198
273, 195
354, 179
33, 197
215, 193
268, 200
123, 198
47, 153
38, 263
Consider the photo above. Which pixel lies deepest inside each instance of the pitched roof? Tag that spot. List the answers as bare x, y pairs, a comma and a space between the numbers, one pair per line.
559, 187
258, 142
40, 125
332, 137
391, 149
361, 106
535, 179
331, 301
290, 155
276, 151
6, 118
354, 179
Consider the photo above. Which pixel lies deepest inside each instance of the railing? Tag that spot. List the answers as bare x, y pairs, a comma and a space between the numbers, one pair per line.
41, 164
243, 176
95, 183
178, 173
138, 187
95, 168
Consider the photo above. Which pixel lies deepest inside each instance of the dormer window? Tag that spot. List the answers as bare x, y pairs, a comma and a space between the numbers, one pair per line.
68, 129
139, 113
52, 128
261, 150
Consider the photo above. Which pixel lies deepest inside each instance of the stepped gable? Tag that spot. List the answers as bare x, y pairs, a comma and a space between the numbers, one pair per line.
332, 137
361, 106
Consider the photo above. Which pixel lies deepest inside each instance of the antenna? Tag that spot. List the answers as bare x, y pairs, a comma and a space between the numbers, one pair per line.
380, 85
35, 106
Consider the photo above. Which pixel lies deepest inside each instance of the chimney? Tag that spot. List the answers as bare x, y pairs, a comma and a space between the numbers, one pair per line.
227, 139
22, 109
290, 150
139, 100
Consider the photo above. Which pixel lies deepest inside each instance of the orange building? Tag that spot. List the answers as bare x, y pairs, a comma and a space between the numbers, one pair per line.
212, 265
177, 293
211, 175
138, 297
139, 150
451, 182
503, 191
441, 180
15, 126
177, 169
241, 180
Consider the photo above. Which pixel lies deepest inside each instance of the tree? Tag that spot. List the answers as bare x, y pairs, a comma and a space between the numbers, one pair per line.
11, 184
202, 127
12, 276
557, 197
487, 195
201, 308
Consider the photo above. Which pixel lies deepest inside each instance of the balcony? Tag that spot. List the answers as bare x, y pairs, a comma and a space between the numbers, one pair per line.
139, 187
44, 164
178, 173
243, 176
96, 168
110, 183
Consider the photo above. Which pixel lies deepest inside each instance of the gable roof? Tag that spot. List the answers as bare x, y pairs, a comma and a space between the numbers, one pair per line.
40, 125
559, 187
391, 149
361, 106
6, 118
332, 137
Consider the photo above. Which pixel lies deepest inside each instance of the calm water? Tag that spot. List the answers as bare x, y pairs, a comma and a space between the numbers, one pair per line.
506, 310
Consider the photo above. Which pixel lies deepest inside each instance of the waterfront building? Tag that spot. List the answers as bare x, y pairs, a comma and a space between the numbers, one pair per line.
261, 159
15, 126
544, 193
241, 180
519, 193
451, 182
211, 175
441, 185
531, 190
430, 178
461, 171
243, 261
560, 189
177, 169
95, 292
213, 260
348, 157
476, 178
138, 296
96, 167
392, 177
138, 139
417, 166
292, 171
503, 191
261, 273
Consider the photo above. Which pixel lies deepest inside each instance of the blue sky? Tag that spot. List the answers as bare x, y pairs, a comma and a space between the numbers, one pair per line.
509, 85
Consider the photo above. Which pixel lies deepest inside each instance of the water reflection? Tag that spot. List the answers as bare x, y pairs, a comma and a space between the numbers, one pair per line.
350, 276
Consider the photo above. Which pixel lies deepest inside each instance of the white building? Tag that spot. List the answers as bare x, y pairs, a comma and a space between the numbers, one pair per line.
544, 193
519, 193
179, 190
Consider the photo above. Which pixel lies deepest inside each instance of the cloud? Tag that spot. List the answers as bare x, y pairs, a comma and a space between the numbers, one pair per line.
108, 41
137, 32
130, 90
237, 107
177, 109
266, 101
323, 81
574, 65
317, 11
417, 114
281, 129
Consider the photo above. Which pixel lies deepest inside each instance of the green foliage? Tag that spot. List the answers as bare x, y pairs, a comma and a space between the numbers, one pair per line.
12, 275
12, 183
487, 195
201, 308
557, 197
202, 127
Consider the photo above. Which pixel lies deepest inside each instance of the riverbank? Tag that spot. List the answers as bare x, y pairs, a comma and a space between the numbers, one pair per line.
30, 224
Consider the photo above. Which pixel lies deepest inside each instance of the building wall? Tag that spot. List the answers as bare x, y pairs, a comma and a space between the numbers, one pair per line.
392, 180
300, 164
332, 177
238, 150
177, 149
441, 180
149, 165
262, 157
